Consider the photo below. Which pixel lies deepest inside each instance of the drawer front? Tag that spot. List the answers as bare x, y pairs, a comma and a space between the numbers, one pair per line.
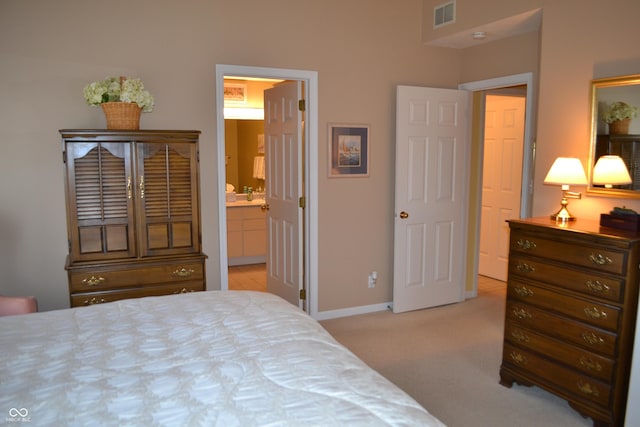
114, 277
584, 310
587, 282
91, 298
562, 328
582, 255
587, 362
558, 376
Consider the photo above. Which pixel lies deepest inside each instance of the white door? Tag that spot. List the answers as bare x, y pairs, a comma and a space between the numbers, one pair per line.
501, 181
283, 171
432, 146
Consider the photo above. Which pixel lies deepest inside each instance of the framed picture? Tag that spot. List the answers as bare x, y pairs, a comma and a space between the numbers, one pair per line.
235, 93
348, 150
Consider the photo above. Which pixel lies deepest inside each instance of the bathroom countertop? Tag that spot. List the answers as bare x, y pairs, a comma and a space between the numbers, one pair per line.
240, 203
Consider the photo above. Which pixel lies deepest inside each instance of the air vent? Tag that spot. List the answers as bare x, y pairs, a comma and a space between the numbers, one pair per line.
444, 14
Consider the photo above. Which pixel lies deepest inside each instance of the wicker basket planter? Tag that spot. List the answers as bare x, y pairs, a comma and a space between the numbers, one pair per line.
122, 115
619, 127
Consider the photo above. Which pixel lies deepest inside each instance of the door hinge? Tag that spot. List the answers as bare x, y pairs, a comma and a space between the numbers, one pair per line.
303, 294
64, 156
302, 105
302, 202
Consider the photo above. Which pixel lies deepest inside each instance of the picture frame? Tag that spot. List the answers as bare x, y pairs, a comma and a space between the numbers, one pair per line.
349, 150
235, 93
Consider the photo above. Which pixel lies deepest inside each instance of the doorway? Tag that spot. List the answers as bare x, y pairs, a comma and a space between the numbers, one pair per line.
480, 89
310, 165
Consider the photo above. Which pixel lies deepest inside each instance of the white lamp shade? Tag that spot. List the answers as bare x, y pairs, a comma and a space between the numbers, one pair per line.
611, 170
566, 171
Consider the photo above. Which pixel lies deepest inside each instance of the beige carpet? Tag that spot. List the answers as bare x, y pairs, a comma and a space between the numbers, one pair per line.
448, 359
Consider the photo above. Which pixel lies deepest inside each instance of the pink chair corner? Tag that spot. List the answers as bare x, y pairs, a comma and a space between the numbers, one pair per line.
17, 305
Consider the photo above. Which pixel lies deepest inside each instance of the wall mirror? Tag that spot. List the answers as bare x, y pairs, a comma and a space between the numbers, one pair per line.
608, 137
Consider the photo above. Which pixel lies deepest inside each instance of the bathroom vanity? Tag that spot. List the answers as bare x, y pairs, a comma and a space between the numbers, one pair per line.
246, 232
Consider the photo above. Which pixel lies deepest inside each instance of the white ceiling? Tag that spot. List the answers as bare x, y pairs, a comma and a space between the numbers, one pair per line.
519, 24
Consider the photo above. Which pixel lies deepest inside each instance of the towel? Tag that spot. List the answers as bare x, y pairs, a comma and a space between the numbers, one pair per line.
258, 167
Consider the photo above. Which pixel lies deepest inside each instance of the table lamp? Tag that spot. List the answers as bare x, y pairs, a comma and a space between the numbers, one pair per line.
566, 171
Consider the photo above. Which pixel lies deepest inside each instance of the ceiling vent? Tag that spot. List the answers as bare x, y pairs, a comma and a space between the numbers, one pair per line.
444, 14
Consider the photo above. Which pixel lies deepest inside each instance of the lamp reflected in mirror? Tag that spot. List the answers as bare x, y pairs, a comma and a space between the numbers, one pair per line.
566, 171
609, 171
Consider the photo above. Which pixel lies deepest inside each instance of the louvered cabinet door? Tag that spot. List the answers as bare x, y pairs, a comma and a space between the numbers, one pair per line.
167, 186
100, 199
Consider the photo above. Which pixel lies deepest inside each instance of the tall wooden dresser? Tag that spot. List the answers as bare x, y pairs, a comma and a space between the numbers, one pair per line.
133, 214
572, 298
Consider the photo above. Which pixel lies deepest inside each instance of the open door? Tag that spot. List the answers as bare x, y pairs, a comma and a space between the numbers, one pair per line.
501, 181
284, 188
432, 146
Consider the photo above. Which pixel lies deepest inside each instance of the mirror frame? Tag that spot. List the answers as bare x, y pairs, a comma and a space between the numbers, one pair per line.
617, 86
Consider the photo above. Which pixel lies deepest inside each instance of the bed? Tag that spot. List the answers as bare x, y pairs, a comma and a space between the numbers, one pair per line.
234, 358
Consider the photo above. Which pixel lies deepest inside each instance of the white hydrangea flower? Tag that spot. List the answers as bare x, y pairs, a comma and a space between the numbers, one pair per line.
111, 90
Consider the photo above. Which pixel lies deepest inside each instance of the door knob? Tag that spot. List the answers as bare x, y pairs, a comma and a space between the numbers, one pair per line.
264, 207
404, 215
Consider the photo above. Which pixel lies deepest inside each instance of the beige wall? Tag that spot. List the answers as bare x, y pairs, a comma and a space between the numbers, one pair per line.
50, 50
361, 50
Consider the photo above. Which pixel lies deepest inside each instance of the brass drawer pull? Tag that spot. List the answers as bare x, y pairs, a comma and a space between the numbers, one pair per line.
591, 338
590, 364
93, 281
525, 244
183, 272
595, 313
520, 336
600, 259
94, 300
523, 291
587, 388
518, 358
521, 313
598, 287
525, 268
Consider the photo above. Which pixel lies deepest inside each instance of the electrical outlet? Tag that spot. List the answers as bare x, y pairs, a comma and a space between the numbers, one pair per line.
373, 278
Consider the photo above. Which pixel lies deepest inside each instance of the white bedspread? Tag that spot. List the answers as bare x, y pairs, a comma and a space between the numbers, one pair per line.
202, 359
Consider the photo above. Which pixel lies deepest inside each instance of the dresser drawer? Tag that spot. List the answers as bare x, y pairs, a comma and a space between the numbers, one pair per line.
582, 360
90, 298
583, 255
557, 376
561, 327
122, 276
587, 282
590, 312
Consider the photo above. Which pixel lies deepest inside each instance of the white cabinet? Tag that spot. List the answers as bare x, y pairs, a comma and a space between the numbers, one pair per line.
246, 235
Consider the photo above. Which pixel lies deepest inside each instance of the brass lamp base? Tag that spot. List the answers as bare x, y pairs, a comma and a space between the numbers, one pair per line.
563, 215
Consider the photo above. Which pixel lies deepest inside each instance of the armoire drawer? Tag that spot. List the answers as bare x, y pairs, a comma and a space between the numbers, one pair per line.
589, 282
120, 276
583, 255
91, 298
587, 311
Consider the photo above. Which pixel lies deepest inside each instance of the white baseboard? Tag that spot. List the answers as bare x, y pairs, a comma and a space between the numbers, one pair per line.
352, 311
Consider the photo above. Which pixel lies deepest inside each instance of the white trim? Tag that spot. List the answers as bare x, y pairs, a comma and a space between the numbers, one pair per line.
311, 167
352, 311
529, 148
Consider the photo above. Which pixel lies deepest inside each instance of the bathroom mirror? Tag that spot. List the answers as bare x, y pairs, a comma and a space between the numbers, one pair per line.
609, 138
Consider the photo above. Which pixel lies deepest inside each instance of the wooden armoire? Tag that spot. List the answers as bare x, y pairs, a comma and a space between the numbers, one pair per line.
133, 214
